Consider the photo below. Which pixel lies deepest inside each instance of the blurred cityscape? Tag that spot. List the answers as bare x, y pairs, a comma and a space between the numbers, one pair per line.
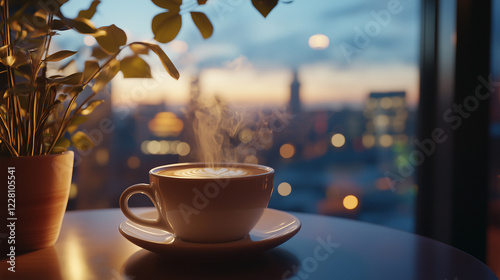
355, 161
344, 162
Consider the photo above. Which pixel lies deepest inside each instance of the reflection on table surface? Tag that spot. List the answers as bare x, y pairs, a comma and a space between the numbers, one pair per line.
269, 265
90, 247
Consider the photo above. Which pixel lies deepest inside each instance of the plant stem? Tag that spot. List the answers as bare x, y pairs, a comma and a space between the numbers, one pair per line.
62, 128
4, 126
84, 85
9, 147
32, 128
51, 19
13, 100
64, 123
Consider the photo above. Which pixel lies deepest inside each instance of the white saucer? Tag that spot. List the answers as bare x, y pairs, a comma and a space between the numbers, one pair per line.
274, 228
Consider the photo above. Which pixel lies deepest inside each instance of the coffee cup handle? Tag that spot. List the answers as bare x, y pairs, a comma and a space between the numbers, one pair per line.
148, 191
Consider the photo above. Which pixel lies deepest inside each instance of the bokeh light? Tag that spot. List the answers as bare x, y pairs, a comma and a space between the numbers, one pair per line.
183, 149
166, 124
386, 140
144, 147
284, 189
287, 151
133, 162
73, 191
246, 135
154, 147
338, 140
381, 121
319, 42
89, 40
251, 159
164, 147
386, 103
102, 157
350, 202
397, 102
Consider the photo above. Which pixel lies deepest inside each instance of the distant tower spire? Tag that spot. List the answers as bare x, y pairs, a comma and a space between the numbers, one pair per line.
295, 94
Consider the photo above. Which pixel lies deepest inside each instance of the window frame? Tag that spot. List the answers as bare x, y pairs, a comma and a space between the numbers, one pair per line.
452, 197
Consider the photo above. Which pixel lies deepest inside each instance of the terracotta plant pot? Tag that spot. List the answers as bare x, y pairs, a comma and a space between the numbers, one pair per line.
40, 189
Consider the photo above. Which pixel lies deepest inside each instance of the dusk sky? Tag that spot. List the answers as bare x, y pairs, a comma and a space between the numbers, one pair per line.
249, 59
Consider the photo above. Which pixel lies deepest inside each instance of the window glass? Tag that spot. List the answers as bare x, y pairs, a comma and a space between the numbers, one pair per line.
493, 257
327, 89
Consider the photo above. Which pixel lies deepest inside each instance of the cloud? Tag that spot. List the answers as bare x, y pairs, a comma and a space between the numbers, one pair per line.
281, 38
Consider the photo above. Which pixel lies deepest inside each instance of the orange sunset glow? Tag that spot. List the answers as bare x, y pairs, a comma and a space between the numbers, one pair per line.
321, 84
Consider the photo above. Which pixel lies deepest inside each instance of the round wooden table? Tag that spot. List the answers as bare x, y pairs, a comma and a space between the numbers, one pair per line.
90, 247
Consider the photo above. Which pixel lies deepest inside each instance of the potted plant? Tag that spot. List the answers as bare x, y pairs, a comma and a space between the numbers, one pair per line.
40, 112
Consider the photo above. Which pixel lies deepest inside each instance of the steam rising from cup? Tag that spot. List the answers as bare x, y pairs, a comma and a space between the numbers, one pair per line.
232, 134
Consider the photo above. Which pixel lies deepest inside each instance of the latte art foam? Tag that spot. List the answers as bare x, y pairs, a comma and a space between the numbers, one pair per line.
207, 172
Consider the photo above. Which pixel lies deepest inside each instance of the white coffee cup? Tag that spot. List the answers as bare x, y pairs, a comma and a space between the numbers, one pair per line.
202, 203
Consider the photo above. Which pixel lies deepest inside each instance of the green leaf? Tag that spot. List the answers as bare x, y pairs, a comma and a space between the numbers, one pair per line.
42, 14
111, 39
75, 122
91, 107
4, 51
61, 145
167, 63
106, 75
24, 34
81, 141
14, 60
78, 120
73, 79
51, 6
30, 44
21, 57
82, 25
139, 49
60, 55
264, 6
99, 53
89, 13
203, 24
36, 21
59, 25
166, 26
170, 5
61, 97
21, 88
24, 70
91, 67
15, 26
8, 60
72, 90
135, 67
